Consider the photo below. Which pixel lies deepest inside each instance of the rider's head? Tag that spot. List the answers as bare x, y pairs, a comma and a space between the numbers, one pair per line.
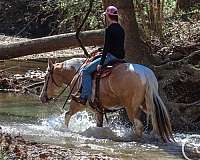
111, 13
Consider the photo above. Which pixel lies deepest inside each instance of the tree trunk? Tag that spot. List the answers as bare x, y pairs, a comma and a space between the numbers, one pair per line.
183, 4
51, 43
156, 16
135, 48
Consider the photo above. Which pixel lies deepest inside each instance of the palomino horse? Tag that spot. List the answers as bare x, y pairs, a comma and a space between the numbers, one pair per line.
132, 86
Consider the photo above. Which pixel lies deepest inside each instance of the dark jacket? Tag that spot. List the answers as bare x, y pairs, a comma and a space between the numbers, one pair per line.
114, 42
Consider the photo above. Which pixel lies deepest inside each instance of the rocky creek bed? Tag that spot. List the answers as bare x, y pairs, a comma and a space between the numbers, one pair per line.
16, 147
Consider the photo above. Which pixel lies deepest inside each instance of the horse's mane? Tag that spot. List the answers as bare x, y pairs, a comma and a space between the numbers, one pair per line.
74, 62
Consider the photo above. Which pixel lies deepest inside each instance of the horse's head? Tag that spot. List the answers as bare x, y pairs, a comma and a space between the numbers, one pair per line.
58, 74
53, 80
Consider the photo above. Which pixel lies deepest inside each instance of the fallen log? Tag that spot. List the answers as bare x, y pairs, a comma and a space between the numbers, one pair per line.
51, 43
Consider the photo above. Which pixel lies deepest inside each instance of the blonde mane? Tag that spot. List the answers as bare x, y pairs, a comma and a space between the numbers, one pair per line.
74, 62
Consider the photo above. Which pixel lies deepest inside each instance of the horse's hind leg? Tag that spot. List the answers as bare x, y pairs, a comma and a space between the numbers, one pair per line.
99, 119
139, 127
133, 111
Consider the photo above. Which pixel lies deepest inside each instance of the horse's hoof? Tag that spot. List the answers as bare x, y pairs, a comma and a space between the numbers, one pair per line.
137, 137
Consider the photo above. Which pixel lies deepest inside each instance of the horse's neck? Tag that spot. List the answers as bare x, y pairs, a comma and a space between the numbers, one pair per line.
70, 67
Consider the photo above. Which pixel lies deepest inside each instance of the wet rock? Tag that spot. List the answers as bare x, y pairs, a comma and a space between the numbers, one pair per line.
17, 151
4, 83
20, 139
44, 155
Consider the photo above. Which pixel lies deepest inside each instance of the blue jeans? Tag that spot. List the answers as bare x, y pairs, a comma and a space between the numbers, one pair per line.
87, 78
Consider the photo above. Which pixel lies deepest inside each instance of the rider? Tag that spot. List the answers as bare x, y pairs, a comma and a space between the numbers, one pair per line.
113, 49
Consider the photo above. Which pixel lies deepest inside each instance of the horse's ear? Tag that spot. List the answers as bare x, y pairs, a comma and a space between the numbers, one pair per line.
56, 60
50, 64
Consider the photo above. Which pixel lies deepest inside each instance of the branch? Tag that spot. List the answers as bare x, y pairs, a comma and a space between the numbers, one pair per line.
195, 72
187, 104
27, 25
34, 85
80, 27
192, 46
178, 63
184, 105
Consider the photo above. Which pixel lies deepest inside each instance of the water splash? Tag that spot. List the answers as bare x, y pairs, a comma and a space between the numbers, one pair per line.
81, 122
84, 124
55, 122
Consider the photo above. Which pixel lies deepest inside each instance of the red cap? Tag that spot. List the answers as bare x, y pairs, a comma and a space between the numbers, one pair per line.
111, 10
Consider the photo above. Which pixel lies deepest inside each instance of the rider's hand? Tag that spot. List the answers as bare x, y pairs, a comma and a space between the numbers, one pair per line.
94, 53
99, 67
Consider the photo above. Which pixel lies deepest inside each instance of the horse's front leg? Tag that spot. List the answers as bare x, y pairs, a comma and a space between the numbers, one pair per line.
67, 118
74, 107
99, 119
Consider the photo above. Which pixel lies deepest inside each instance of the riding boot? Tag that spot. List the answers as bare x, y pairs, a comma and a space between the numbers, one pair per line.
78, 99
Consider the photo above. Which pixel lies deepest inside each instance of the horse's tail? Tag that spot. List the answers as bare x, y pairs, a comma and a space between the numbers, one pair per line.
156, 108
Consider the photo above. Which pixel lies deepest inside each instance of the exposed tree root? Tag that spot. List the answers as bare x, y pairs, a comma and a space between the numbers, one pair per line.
179, 83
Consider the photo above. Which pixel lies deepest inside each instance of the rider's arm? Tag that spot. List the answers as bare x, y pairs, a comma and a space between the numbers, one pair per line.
106, 46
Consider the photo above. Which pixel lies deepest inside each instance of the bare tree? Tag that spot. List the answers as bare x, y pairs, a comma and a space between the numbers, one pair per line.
156, 15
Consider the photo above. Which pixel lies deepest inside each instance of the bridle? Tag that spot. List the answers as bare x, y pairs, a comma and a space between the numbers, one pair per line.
50, 73
50, 76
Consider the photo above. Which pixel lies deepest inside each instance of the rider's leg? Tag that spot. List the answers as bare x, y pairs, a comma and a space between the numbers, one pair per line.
87, 79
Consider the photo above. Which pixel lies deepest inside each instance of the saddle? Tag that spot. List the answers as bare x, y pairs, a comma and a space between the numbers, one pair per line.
105, 72
107, 69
